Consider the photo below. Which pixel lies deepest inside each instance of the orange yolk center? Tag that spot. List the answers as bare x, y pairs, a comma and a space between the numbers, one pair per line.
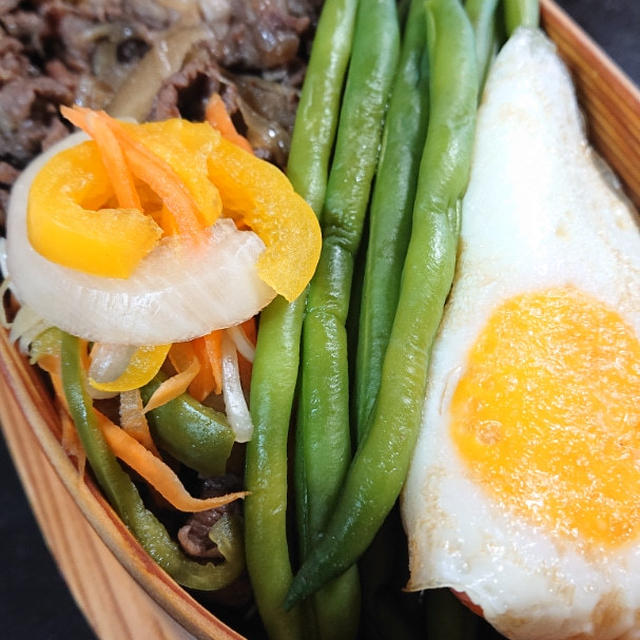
547, 415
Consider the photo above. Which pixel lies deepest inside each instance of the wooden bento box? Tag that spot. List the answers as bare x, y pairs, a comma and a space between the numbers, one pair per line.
128, 596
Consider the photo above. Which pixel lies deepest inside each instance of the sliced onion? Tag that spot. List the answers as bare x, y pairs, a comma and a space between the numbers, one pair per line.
135, 95
109, 361
234, 401
242, 343
25, 327
178, 292
3, 257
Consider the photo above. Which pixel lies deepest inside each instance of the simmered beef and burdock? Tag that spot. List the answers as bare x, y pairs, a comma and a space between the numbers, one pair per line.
148, 61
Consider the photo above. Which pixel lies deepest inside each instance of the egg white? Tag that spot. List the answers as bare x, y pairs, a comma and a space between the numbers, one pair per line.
540, 212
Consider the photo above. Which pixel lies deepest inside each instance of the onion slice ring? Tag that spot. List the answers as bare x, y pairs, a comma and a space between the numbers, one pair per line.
179, 291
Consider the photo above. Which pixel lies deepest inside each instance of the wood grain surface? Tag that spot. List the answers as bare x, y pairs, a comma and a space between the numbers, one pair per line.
115, 604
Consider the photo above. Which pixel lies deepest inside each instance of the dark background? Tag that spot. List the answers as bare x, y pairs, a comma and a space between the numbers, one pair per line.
34, 601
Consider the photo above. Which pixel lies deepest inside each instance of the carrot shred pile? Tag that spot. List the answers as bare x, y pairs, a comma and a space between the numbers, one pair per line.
156, 472
134, 447
217, 116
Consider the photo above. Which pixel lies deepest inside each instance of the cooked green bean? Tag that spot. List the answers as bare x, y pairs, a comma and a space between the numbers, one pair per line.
192, 433
381, 462
482, 16
521, 13
323, 431
391, 208
275, 368
124, 497
389, 232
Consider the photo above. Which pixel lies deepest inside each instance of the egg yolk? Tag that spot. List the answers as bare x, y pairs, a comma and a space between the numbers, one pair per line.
547, 415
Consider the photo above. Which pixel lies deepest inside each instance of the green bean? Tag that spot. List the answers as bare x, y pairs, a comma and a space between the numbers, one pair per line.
391, 208
192, 433
317, 114
275, 368
482, 16
124, 497
381, 462
521, 13
323, 413
389, 231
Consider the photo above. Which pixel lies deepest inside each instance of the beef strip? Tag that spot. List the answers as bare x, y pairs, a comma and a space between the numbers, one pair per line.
194, 539
194, 535
55, 52
265, 110
186, 92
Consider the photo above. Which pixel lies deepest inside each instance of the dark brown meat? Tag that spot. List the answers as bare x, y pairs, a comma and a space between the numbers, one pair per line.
56, 52
29, 116
264, 111
186, 92
262, 34
194, 535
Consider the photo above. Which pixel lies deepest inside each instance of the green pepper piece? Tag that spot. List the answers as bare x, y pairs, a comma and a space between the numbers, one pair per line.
124, 497
191, 432
380, 465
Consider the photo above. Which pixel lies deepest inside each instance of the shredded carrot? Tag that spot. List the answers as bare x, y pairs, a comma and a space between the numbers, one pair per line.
155, 471
204, 383
250, 330
110, 153
133, 420
213, 348
172, 387
217, 116
149, 168
70, 440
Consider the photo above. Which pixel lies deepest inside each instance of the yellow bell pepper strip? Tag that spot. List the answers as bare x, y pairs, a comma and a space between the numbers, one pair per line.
145, 363
67, 225
184, 147
112, 158
186, 175
149, 167
263, 197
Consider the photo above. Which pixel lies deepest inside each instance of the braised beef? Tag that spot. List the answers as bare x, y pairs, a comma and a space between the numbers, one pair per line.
194, 535
55, 52
187, 91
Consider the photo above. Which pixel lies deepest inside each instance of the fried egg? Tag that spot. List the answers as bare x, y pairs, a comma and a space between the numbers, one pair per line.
524, 489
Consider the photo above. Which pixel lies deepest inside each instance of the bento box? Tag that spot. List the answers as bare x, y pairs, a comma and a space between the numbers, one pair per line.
611, 105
